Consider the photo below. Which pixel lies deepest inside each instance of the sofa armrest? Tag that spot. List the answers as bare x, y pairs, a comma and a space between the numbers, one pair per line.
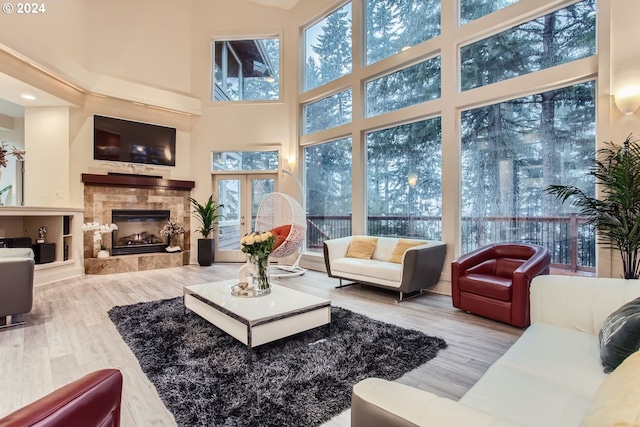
577, 302
91, 401
16, 286
380, 403
422, 266
334, 249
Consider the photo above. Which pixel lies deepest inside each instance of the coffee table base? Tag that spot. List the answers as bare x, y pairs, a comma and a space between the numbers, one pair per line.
257, 332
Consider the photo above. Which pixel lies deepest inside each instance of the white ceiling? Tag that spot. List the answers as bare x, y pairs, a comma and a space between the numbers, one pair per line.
12, 103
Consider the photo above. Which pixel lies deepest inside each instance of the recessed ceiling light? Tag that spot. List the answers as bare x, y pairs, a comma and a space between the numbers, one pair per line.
28, 96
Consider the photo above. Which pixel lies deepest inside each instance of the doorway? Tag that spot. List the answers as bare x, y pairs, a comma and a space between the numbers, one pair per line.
241, 195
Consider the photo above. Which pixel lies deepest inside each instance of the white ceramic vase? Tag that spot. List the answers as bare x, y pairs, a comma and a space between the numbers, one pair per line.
103, 253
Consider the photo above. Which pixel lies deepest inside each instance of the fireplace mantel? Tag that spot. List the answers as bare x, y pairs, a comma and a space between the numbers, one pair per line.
136, 181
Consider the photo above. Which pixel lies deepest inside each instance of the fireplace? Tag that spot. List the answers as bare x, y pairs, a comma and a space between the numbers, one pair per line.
138, 231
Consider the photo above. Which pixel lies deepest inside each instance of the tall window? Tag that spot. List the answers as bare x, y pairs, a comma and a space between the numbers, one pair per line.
327, 48
434, 153
332, 111
511, 152
413, 85
328, 191
404, 174
559, 37
470, 10
246, 70
395, 25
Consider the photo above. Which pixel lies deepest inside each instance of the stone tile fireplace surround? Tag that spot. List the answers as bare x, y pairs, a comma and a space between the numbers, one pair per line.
104, 193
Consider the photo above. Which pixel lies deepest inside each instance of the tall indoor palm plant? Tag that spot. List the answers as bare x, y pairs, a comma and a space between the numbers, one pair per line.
616, 215
208, 215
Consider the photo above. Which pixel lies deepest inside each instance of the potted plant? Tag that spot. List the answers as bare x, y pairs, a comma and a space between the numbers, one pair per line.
208, 216
616, 215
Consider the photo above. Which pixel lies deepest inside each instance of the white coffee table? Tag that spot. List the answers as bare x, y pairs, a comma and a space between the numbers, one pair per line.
259, 320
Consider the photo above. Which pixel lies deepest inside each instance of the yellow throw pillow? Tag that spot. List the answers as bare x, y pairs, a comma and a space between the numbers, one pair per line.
617, 400
362, 247
401, 248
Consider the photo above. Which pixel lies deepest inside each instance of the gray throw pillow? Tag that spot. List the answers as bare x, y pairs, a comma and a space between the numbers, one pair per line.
620, 335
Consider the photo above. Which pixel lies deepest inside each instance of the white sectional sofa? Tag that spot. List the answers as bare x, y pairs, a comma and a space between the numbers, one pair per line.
420, 268
546, 379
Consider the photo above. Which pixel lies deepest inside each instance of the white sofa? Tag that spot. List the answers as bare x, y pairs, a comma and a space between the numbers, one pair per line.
546, 379
420, 268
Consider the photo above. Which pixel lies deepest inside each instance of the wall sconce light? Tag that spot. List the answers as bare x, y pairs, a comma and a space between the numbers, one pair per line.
412, 179
291, 161
627, 99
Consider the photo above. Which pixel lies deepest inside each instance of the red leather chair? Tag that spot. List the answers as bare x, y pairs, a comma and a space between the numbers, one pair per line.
493, 281
92, 401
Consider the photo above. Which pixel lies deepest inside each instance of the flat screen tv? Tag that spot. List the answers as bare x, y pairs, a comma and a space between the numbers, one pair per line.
133, 142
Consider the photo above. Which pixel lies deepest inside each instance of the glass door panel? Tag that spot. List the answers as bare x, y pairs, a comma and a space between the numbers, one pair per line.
241, 196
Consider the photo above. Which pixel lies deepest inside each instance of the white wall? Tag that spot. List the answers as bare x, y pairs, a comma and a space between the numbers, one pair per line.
145, 41
55, 38
46, 139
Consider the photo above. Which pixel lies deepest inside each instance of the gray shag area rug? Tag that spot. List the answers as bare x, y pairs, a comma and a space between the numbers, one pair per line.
204, 377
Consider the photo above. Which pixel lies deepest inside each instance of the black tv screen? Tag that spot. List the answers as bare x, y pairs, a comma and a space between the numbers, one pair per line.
133, 142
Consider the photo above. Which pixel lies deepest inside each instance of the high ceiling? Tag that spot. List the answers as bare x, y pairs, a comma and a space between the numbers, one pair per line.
12, 102
11, 90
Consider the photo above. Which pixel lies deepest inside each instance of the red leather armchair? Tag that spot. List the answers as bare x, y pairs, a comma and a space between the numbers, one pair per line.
92, 401
493, 281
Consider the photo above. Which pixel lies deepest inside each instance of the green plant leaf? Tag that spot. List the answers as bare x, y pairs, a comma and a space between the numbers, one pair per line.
207, 215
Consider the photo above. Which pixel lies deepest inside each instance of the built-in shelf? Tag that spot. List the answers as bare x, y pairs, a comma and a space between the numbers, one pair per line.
64, 229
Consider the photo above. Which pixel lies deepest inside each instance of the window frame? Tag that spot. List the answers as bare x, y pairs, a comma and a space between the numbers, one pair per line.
226, 37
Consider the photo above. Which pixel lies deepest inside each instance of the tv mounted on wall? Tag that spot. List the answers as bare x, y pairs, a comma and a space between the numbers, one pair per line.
133, 142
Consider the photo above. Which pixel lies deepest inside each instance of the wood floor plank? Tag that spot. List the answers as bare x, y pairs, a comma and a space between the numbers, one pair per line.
68, 334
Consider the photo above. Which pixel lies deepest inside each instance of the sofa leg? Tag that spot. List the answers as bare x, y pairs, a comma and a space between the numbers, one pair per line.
345, 285
16, 320
403, 296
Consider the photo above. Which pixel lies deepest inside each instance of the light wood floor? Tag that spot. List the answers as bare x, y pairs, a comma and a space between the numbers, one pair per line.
68, 334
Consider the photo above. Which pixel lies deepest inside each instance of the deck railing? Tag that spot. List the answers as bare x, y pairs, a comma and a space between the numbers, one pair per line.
570, 239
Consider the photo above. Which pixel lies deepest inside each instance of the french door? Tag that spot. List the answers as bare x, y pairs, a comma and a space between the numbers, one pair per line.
241, 195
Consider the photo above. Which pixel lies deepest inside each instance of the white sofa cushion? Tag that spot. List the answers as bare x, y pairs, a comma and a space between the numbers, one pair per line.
16, 253
422, 408
577, 302
559, 368
384, 248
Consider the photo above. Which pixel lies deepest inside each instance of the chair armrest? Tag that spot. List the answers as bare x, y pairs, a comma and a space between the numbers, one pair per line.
91, 401
422, 266
380, 403
534, 266
471, 259
578, 302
